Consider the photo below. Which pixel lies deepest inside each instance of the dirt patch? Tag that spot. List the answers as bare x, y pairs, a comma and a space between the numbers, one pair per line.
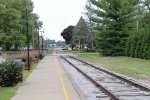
144, 77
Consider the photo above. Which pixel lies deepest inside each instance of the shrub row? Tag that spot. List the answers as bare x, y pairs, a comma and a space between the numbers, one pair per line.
138, 46
10, 73
88, 51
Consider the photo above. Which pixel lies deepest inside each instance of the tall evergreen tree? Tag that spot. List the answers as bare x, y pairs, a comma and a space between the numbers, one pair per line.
89, 16
81, 33
112, 20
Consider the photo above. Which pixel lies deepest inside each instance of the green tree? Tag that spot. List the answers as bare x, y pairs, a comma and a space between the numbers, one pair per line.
67, 35
81, 33
13, 22
112, 20
140, 36
89, 15
36, 26
11, 27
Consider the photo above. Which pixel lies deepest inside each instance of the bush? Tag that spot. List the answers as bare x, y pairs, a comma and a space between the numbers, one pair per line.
41, 56
25, 59
10, 73
138, 46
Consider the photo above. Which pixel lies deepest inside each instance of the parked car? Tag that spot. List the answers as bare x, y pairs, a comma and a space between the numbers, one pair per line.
1, 49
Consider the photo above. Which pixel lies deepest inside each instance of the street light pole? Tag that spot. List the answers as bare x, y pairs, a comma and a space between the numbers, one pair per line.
42, 44
47, 42
42, 39
39, 42
27, 30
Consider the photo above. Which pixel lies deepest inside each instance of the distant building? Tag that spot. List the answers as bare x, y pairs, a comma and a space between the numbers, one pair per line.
51, 42
61, 44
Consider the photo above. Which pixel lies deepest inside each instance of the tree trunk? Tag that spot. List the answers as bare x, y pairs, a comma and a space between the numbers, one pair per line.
16, 46
7, 46
71, 46
79, 44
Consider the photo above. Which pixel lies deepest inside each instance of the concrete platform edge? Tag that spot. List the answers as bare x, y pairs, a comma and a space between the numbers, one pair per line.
77, 89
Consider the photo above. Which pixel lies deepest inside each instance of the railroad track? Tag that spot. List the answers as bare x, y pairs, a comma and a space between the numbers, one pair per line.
111, 85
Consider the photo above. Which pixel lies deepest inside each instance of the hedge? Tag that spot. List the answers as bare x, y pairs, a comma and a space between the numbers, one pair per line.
138, 46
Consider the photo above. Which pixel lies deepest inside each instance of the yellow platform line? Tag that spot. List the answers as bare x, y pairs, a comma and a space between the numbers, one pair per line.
62, 81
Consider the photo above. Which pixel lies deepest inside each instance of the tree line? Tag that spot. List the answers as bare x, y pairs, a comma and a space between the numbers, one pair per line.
78, 35
116, 27
13, 22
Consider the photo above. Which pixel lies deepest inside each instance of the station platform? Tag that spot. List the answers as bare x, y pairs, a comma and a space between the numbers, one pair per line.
48, 81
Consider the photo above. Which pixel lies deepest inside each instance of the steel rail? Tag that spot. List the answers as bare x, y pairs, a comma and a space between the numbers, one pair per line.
107, 92
140, 86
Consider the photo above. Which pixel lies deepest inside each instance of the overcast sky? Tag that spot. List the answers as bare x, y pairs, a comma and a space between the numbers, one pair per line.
58, 14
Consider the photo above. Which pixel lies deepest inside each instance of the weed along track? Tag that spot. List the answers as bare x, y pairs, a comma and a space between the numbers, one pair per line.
112, 86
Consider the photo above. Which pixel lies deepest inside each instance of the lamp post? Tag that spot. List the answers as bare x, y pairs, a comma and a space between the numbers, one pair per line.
39, 42
27, 30
27, 35
42, 39
47, 42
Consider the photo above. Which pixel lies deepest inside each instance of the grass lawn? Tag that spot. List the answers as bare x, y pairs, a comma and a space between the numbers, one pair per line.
134, 67
71, 51
7, 92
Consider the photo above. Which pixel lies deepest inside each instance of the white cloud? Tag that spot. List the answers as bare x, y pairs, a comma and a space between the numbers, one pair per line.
58, 14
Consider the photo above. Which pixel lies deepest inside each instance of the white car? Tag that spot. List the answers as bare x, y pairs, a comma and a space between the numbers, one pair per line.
2, 59
1, 49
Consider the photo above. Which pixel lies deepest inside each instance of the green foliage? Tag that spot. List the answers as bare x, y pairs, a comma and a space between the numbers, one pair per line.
67, 34
36, 26
88, 51
60, 44
10, 73
120, 27
25, 59
129, 66
138, 46
112, 20
8, 92
81, 33
139, 42
13, 23
137, 49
